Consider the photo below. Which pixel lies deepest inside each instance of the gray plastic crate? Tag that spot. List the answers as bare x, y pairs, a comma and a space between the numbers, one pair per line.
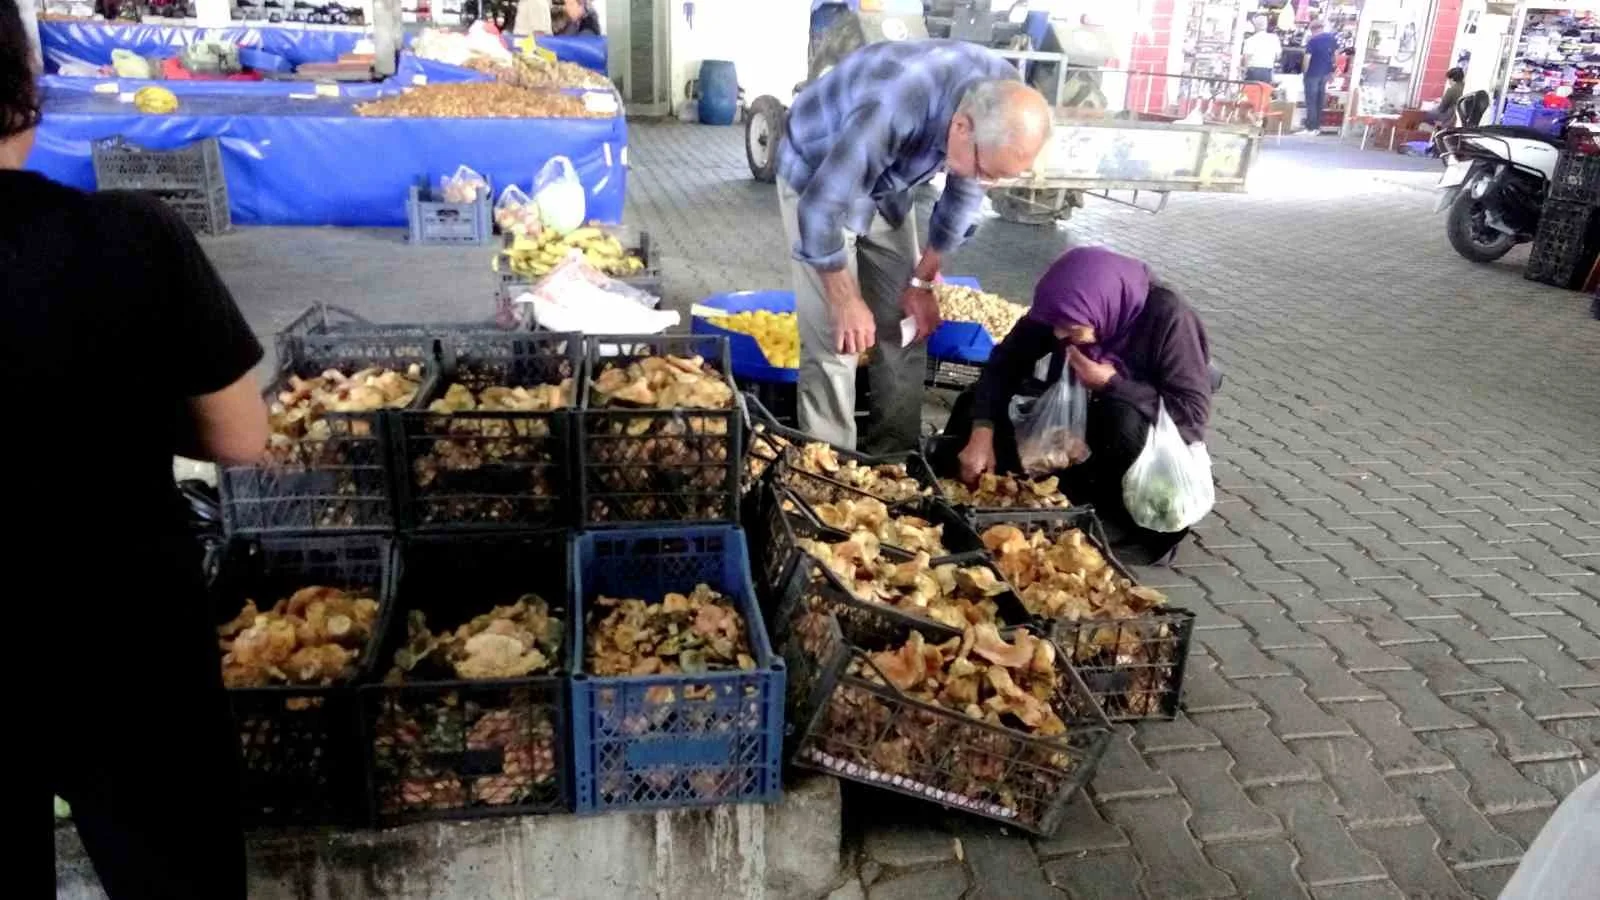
437, 222
121, 166
205, 212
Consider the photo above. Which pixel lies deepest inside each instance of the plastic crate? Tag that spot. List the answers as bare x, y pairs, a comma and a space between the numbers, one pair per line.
300, 748
813, 488
434, 221
1129, 684
658, 465
1565, 245
957, 536
492, 469
343, 482
456, 748
668, 741
513, 285
940, 450
853, 727
951, 374
205, 212
1577, 178
123, 166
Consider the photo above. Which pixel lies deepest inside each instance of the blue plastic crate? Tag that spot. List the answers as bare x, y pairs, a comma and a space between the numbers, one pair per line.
749, 361
961, 341
669, 741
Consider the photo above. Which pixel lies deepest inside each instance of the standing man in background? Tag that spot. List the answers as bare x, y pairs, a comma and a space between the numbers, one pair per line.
1261, 52
1320, 49
860, 139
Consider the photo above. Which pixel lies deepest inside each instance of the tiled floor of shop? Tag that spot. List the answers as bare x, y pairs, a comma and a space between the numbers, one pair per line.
1397, 669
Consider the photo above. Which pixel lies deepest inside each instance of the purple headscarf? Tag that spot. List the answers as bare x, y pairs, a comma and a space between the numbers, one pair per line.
1093, 286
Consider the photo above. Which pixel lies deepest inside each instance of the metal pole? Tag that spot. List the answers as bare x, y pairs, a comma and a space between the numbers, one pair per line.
30, 27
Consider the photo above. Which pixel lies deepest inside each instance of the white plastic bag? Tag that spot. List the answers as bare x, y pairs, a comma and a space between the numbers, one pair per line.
559, 193
1168, 488
465, 186
1053, 430
576, 297
515, 213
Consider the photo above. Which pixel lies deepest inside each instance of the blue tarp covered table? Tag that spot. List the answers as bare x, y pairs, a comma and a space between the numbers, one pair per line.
91, 43
315, 162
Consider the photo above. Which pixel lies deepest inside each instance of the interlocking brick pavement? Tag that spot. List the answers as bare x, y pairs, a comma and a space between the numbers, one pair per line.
1397, 668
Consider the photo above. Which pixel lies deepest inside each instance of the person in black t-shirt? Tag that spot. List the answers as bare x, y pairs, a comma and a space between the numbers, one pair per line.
123, 348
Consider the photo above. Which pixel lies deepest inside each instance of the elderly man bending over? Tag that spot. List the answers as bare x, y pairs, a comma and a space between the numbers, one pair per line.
888, 118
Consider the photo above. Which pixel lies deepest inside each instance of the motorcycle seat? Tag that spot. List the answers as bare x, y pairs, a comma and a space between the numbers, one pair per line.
1517, 131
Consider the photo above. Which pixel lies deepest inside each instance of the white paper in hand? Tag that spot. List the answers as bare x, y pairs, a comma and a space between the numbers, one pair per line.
908, 331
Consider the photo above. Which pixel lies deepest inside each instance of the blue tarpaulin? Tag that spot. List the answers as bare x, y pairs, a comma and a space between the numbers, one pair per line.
314, 162
91, 43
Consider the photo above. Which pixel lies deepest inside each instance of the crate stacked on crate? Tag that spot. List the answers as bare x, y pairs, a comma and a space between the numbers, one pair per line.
1568, 240
634, 265
300, 621
493, 447
330, 461
189, 179
678, 700
660, 435
431, 219
471, 716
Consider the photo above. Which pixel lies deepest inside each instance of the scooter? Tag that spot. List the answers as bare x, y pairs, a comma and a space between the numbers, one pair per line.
1494, 182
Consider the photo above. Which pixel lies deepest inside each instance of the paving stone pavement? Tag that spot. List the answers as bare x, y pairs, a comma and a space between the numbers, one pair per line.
1397, 665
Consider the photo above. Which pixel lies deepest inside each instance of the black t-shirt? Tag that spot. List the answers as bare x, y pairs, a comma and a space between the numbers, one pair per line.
113, 319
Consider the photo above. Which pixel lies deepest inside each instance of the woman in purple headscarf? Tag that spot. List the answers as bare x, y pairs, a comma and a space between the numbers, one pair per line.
1132, 342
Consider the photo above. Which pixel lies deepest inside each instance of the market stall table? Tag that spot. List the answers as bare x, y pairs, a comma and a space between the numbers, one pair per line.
316, 162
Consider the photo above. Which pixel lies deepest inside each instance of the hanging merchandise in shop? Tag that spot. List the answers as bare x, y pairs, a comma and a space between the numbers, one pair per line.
1554, 68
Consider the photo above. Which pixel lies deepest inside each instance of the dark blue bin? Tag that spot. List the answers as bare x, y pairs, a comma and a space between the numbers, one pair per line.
719, 92
669, 741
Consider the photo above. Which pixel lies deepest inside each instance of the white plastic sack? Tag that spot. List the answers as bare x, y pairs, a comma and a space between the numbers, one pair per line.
1168, 488
575, 297
559, 193
1053, 430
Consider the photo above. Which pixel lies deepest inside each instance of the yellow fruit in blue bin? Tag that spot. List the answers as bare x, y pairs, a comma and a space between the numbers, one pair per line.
777, 333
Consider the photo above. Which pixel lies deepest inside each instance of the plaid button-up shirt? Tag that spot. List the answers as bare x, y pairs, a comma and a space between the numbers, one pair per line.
874, 127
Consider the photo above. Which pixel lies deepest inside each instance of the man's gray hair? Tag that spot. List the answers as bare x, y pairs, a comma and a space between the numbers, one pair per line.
986, 104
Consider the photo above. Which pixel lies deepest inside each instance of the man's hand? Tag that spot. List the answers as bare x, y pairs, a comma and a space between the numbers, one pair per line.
854, 329
1094, 375
977, 458
920, 304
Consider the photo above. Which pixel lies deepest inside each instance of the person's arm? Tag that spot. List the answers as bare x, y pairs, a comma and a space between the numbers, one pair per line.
224, 417
954, 220
1185, 379
1009, 365
866, 143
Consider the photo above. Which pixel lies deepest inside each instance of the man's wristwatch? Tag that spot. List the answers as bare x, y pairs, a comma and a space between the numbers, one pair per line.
920, 284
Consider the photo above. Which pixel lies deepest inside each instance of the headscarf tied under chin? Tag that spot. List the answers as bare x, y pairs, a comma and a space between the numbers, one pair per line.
1094, 286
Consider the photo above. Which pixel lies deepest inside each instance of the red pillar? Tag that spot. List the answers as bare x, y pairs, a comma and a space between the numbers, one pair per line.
1152, 48
1441, 50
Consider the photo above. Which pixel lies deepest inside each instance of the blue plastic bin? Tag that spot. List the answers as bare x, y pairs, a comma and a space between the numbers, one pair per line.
670, 741
961, 341
719, 92
748, 359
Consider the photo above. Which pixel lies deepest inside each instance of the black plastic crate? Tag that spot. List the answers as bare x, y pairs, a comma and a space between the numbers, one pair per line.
1134, 667
951, 375
815, 487
1577, 178
490, 469
941, 450
854, 727
300, 749
123, 166
658, 465
341, 481
334, 330
674, 740
451, 748
1565, 245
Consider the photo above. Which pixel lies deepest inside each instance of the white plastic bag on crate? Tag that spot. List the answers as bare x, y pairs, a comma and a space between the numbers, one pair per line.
465, 186
516, 213
1168, 488
575, 297
559, 193
1053, 429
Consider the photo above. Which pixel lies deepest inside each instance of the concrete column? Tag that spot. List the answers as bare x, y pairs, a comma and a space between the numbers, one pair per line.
386, 36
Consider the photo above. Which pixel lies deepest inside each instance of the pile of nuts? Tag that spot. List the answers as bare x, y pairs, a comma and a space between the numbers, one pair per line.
996, 314
478, 100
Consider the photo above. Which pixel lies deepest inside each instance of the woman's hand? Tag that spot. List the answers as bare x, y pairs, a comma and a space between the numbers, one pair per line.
1094, 375
977, 458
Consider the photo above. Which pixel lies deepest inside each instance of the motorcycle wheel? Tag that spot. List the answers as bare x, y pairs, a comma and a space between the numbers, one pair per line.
1469, 235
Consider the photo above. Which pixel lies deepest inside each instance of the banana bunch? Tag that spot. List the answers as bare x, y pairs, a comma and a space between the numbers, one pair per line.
778, 334
155, 100
534, 257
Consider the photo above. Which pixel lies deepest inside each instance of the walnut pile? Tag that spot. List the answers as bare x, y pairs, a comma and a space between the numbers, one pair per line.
478, 100
949, 594
889, 482
1007, 492
1014, 769
313, 637
668, 465
996, 314
298, 417
539, 74
697, 632
513, 641
906, 532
